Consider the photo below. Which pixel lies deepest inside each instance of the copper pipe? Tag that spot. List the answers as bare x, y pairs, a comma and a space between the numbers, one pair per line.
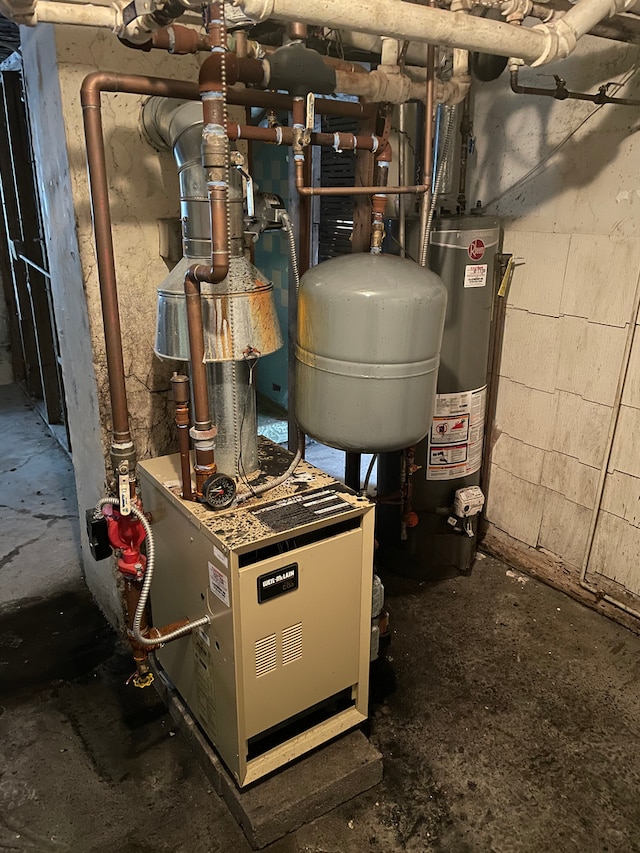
305, 191
180, 388
90, 97
179, 40
106, 271
132, 590
276, 101
285, 136
203, 432
297, 30
427, 167
242, 44
238, 70
193, 302
215, 153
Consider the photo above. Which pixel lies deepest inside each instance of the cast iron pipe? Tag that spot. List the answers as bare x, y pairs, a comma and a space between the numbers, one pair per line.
561, 93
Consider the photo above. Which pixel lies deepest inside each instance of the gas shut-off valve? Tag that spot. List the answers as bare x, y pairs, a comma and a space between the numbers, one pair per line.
467, 505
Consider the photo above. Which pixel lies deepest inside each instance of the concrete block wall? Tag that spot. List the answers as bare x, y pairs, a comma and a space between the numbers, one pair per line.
571, 313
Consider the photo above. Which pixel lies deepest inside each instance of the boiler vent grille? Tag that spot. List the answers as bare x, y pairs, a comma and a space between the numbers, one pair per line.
266, 656
292, 643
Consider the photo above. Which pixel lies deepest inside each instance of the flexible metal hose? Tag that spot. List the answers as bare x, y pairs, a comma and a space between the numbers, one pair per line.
293, 254
148, 577
265, 487
272, 484
446, 144
365, 487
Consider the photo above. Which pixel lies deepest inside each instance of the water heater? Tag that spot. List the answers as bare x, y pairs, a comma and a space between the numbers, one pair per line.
445, 497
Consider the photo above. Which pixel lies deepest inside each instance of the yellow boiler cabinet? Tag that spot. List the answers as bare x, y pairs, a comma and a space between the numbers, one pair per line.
286, 579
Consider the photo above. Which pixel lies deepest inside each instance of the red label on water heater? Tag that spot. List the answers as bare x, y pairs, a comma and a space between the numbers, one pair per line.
476, 249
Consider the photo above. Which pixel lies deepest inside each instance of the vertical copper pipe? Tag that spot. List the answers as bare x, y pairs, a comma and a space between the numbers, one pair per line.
297, 31
427, 167
106, 270
180, 388
202, 417
90, 97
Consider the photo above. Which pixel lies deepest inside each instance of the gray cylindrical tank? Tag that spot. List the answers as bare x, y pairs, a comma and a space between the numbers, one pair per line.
367, 352
462, 251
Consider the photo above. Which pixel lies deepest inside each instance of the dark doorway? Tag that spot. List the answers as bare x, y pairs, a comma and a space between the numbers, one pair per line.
23, 258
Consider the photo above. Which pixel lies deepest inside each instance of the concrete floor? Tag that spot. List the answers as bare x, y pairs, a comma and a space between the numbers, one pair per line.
514, 725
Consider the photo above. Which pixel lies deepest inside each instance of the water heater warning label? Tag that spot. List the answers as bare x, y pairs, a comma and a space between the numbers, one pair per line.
457, 432
475, 275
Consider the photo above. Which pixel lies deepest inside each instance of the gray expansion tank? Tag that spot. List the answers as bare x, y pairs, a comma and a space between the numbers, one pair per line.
367, 352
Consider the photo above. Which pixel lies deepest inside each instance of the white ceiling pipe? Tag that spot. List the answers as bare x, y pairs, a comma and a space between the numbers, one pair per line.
535, 46
382, 87
413, 23
579, 20
416, 52
79, 14
20, 11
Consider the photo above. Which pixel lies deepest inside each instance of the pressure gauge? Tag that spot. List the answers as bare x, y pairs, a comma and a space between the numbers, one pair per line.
218, 491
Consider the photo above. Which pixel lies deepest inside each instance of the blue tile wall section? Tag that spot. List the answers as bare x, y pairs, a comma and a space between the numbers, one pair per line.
271, 174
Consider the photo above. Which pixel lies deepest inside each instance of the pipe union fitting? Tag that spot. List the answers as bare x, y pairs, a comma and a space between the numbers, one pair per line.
201, 436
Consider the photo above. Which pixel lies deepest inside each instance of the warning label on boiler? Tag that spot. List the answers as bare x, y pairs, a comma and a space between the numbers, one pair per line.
456, 436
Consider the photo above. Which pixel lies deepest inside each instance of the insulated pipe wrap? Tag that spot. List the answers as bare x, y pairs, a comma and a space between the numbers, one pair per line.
300, 70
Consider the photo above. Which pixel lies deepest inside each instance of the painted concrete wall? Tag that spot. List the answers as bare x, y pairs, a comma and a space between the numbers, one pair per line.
144, 188
571, 311
67, 288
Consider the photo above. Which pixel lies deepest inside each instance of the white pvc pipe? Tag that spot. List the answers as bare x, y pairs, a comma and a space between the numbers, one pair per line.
78, 14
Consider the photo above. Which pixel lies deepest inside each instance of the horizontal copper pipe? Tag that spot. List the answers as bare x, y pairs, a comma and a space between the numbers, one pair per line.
276, 101
237, 70
179, 40
284, 136
134, 84
305, 191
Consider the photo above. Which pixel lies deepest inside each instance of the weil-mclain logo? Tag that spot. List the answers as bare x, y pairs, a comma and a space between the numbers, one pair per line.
278, 582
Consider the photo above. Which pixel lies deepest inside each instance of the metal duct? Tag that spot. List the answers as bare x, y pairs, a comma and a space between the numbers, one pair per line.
238, 313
